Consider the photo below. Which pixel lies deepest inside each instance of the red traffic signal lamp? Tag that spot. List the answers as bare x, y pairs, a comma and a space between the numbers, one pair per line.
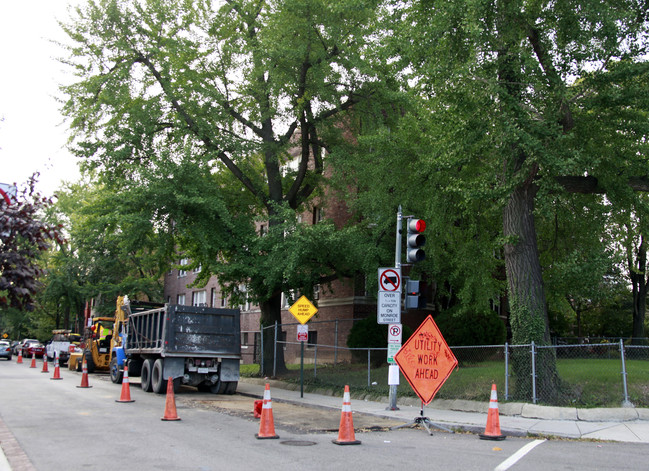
415, 240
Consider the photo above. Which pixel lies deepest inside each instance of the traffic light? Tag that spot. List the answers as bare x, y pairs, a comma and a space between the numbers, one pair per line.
414, 299
415, 240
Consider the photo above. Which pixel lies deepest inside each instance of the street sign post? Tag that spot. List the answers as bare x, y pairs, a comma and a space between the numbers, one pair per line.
302, 310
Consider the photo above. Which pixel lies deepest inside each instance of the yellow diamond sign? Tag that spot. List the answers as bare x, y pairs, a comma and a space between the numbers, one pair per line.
303, 310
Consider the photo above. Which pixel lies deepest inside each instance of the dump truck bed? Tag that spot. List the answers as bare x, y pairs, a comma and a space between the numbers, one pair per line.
185, 331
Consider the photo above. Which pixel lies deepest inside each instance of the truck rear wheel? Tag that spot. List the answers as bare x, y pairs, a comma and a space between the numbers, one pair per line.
158, 382
145, 375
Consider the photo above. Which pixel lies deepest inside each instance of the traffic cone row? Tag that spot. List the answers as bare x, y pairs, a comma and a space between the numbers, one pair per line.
267, 424
57, 370
492, 430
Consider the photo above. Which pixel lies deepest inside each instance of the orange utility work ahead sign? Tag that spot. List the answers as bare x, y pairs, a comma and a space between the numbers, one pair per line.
426, 360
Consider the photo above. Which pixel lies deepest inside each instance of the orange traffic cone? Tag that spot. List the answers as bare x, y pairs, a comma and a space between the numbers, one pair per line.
346, 431
170, 402
45, 366
33, 365
267, 424
84, 375
20, 356
492, 431
126, 390
57, 371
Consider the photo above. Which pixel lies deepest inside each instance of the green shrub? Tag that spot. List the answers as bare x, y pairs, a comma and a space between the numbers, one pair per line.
367, 333
476, 328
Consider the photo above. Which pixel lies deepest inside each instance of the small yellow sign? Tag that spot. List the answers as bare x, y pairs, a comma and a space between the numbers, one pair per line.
303, 310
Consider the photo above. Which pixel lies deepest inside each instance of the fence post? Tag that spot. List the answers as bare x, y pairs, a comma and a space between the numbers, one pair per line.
261, 366
625, 402
506, 371
533, 373
368, 367
275, 353
315, 360
336, 342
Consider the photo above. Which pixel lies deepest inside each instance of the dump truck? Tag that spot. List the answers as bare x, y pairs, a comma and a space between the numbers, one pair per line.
193, 345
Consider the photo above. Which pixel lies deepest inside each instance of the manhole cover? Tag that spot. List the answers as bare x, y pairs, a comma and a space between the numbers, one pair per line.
298, 443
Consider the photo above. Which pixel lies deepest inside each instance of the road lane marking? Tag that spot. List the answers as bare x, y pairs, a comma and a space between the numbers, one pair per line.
512, 460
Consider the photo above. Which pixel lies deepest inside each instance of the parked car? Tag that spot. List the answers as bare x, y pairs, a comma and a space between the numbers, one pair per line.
33, 348
19, 346
5, 350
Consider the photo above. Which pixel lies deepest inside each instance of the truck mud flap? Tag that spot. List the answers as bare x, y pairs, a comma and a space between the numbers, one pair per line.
229, 370
174, 367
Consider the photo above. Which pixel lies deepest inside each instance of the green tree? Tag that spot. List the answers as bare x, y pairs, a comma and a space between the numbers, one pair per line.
226, 109
112, 248
513, 103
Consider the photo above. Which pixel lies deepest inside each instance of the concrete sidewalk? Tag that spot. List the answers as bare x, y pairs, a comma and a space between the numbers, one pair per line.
516, 419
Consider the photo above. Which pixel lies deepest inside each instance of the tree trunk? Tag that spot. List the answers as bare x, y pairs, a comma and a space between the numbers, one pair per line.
529, 316
271, 312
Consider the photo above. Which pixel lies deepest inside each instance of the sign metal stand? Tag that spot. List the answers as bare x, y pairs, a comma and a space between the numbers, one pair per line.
424, 422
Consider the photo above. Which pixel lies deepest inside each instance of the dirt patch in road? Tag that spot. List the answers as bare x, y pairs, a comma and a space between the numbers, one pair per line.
291, 416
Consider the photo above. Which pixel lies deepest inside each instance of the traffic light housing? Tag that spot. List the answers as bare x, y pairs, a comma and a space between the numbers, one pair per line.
415, 241
414, 299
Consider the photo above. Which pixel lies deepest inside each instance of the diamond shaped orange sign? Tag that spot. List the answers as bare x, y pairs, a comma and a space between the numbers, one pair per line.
426, 360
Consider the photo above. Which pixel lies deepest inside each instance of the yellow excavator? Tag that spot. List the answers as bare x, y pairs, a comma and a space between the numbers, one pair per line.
99, 341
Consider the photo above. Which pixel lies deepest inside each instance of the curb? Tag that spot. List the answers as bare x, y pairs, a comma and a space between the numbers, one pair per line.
511, 409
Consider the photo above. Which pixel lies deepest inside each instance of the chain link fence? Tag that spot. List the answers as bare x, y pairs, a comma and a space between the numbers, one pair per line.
600, 373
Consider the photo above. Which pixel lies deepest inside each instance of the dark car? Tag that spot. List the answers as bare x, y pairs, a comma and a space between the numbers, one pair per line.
5, 349
33, 348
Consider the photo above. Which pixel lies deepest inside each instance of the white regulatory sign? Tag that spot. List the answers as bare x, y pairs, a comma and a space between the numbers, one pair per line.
389, 308
395, 332
390, 279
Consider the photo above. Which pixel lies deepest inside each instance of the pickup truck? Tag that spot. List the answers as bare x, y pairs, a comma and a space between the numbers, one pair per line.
62, 341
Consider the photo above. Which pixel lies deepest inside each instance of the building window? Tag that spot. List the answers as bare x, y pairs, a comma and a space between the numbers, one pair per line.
312, 340
213, 297
244, 338
224, 301
197, 269
318, 214
181, 299
183, 262
199, 298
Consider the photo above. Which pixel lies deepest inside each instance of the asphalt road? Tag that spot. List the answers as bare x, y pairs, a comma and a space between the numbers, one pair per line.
53, 425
